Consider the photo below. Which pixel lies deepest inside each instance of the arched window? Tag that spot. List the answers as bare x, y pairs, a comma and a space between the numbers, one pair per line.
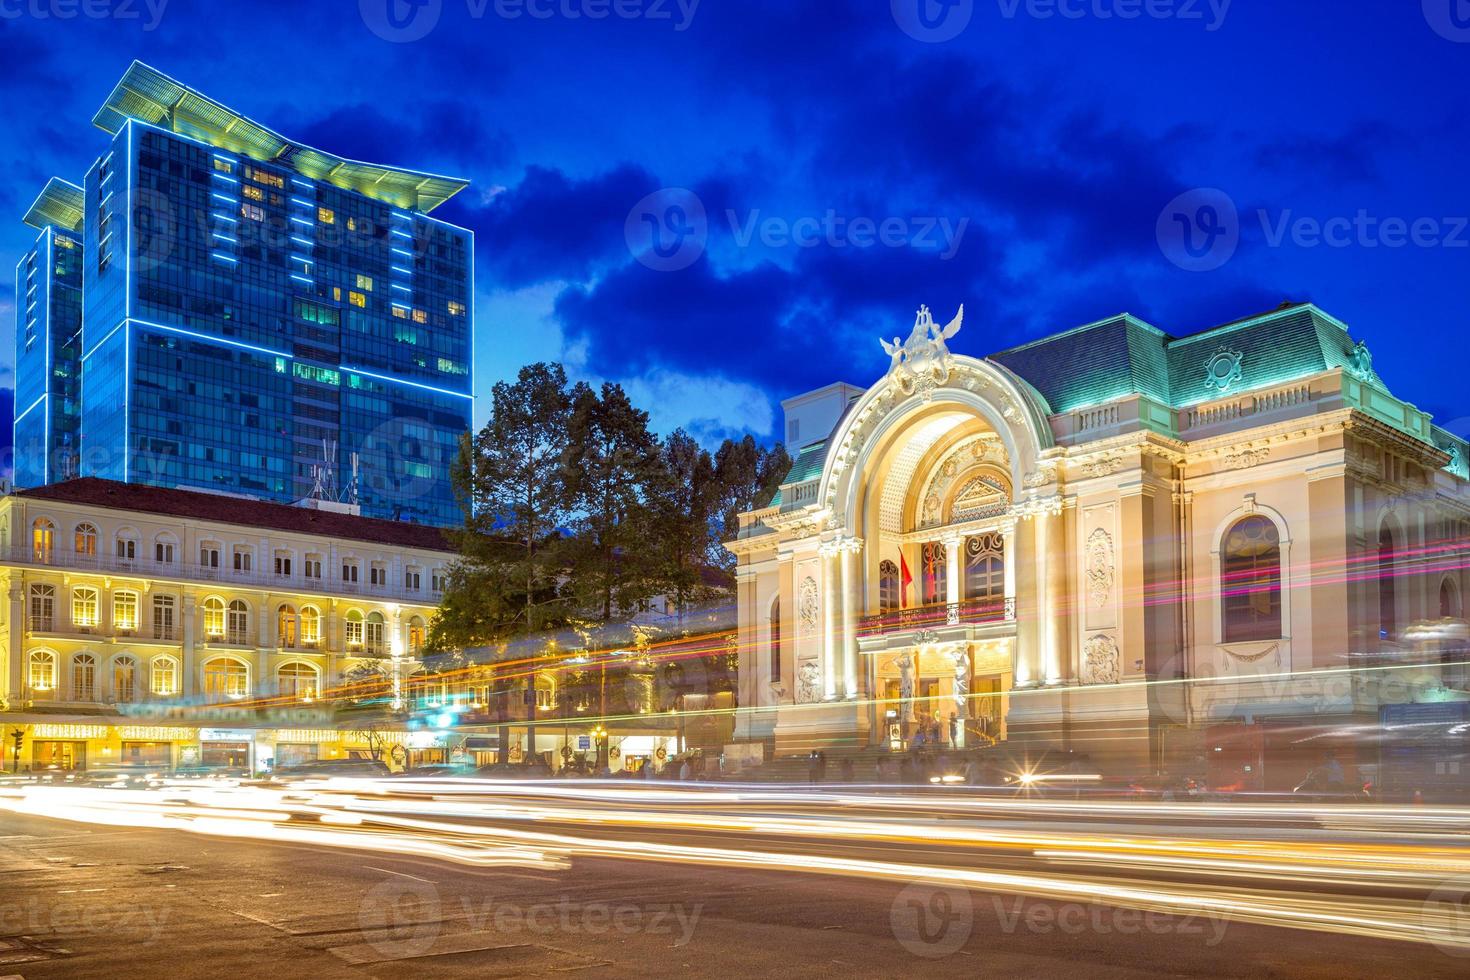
43, 671
165, 679
353, 624
43, 540
1449, 600
373, 638
416, 634
86, 540
214, 618
936, 572
125, 610
1250, 580
311, 625
985, 567
124, 679
84, 606
225, 680
286, 626
1387, 614
237, 622
888, 586
297, 680
84, 677
165, 546
775, 647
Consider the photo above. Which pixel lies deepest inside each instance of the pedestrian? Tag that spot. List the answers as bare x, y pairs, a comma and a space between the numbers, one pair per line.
811, 767
684, 771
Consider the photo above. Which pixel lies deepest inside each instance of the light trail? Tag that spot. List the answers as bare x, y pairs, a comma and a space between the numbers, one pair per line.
1313, 881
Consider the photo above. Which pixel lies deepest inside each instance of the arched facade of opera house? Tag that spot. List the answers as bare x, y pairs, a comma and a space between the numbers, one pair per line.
1097, 539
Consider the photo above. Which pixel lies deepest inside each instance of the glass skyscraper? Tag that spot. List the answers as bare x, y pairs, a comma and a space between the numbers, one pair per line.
265, 318
48, 337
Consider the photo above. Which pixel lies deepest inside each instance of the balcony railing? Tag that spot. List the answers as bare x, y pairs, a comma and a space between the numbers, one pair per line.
990, 609
194, 572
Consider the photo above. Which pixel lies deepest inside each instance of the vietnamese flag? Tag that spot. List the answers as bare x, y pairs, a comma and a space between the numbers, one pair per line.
904, 578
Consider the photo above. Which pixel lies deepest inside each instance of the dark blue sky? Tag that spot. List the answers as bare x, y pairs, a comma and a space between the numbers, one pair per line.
1021, 165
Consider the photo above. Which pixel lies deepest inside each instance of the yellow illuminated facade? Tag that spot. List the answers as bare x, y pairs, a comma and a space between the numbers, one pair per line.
137, 637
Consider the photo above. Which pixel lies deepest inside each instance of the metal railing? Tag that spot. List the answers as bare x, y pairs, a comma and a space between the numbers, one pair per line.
990, 609
193, 572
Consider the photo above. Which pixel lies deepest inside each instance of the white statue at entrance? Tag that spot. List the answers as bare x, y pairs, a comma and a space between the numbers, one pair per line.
905, 664
921, 363
961, 658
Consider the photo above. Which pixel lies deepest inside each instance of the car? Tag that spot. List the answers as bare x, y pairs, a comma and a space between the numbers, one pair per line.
513, 770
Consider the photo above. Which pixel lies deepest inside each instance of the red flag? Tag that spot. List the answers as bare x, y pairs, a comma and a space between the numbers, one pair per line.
904, 579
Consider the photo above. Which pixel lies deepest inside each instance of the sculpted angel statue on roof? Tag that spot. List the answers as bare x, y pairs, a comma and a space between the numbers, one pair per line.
921, 363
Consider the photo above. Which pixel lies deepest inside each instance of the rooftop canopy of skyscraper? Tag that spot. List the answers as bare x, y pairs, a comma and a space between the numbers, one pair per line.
59, 205
146, 94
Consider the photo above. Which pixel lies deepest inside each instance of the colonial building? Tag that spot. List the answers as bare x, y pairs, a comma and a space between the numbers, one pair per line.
173, 627
1107, 540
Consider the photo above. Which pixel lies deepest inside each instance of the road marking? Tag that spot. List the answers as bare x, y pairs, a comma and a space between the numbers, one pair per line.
399, 874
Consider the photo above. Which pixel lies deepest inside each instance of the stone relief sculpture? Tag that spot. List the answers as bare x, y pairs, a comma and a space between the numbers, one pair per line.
807, 606
1100, 660
921, 363
1099, 566
806, 682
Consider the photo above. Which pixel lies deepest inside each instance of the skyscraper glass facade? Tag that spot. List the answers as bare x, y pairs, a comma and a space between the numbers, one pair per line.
48, 324
269, 324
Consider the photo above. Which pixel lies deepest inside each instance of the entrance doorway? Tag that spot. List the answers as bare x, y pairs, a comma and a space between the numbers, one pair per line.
53, 756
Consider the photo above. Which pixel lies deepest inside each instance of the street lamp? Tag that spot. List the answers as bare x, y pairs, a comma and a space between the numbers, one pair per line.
599, 734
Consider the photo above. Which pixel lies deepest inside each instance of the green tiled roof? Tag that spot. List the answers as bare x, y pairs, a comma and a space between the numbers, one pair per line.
1124, 356
1093, 364
808, 466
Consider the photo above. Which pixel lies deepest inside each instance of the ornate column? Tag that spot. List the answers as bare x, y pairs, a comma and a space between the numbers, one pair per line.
953, 570
188, 668
1008, 556
831, 598
852, 609
14, 682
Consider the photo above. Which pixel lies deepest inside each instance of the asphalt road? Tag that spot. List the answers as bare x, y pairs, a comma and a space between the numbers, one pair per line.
93, 901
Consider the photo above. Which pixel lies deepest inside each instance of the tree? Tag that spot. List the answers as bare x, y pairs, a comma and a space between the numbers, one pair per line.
747, 477
511, 480
680, 499
611, 460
